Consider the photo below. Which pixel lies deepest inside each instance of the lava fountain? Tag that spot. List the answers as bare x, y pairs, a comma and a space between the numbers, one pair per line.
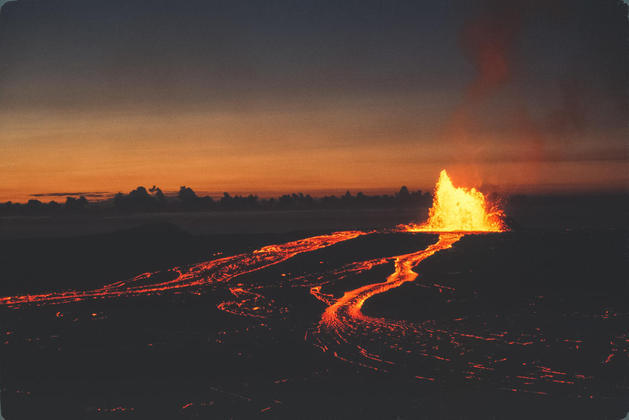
458, 209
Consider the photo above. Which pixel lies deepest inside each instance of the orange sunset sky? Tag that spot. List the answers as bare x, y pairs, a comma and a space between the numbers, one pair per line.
307, 98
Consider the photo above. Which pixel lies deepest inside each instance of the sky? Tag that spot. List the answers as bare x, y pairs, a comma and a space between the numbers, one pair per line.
313, 96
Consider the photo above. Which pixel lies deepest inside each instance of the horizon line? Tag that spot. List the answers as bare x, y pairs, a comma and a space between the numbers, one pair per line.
550, 189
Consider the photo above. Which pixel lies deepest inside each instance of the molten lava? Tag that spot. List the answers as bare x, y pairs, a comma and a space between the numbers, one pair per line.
443, 346
203, 274
346, 311
458, 209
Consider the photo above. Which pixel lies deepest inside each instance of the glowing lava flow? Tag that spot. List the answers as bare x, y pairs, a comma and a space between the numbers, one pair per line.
350, 305
434, 349
343, 324
206, 273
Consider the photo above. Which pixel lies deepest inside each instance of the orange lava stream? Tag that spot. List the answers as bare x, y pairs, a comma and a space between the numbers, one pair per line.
350, 305
343, 322
202, 274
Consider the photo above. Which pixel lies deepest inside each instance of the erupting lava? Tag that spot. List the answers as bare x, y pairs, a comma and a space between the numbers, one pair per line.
458, 209
428, 350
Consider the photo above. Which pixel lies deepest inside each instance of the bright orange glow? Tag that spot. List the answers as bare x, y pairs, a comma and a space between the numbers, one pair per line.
458, 209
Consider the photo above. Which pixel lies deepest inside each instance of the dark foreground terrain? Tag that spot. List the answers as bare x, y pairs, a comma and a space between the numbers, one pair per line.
530, 323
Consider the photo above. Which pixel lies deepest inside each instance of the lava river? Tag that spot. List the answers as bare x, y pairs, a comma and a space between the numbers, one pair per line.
201, 275
435, 349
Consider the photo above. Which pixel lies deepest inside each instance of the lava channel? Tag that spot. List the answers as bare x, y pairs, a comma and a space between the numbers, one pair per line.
197, 275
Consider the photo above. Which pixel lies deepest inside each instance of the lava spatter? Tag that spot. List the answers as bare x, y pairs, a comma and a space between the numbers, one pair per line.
458, 209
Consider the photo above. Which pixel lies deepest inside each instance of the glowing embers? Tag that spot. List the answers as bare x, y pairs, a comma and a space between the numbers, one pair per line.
251, 304
457, 209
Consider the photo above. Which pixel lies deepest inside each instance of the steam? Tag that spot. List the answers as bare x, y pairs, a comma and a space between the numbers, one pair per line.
586, 104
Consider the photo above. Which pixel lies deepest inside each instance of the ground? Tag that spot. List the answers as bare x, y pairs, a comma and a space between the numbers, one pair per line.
513, 325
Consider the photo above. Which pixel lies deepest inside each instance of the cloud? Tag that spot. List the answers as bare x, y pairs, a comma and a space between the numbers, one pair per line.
96, 194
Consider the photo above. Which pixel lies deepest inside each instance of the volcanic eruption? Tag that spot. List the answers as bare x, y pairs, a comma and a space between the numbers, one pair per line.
458, 209
455, 212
